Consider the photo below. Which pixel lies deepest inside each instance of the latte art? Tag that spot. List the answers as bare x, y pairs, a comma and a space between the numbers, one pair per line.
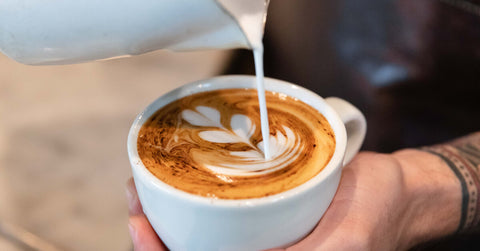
283, 146
211, 144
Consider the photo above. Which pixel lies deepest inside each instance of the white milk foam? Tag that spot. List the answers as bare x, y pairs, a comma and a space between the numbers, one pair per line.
284, 150
284, 147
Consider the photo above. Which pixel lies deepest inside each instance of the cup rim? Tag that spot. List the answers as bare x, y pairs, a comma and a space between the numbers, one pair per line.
235, 82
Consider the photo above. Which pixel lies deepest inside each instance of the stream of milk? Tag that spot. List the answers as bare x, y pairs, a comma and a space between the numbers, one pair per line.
258, 58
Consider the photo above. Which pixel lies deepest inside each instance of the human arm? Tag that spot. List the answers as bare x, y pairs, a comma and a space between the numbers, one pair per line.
389, 202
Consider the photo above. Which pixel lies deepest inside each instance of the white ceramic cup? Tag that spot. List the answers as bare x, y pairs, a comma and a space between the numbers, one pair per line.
190, 222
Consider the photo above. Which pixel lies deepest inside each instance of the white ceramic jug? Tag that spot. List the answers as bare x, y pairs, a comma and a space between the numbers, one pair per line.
71, 31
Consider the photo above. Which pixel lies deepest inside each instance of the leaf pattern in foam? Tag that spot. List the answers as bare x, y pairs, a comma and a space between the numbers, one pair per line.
203, 116
242, 126
219, 136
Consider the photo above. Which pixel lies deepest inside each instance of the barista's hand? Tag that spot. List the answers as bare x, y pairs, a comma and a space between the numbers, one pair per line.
384, 202
389, 202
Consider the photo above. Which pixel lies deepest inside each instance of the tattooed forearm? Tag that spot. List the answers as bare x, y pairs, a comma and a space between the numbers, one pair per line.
463, 157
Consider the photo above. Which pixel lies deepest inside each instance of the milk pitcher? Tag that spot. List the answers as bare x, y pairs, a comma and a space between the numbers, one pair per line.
71, 31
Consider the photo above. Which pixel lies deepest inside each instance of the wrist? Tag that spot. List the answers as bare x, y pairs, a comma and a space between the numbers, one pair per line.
434, 197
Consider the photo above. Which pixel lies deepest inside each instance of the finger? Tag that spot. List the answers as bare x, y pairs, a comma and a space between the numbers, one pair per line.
134, 206
143, 236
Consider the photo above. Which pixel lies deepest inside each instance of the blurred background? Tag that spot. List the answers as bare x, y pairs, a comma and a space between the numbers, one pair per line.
411, 66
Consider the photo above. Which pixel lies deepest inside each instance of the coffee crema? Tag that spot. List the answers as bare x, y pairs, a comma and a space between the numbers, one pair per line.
210, 144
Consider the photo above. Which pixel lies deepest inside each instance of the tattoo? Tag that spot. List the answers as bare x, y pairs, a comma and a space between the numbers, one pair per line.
463, 157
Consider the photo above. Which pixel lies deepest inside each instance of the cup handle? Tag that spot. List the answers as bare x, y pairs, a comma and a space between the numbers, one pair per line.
355, 125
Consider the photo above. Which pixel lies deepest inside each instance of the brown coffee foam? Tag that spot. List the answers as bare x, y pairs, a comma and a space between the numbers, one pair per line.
169, 146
